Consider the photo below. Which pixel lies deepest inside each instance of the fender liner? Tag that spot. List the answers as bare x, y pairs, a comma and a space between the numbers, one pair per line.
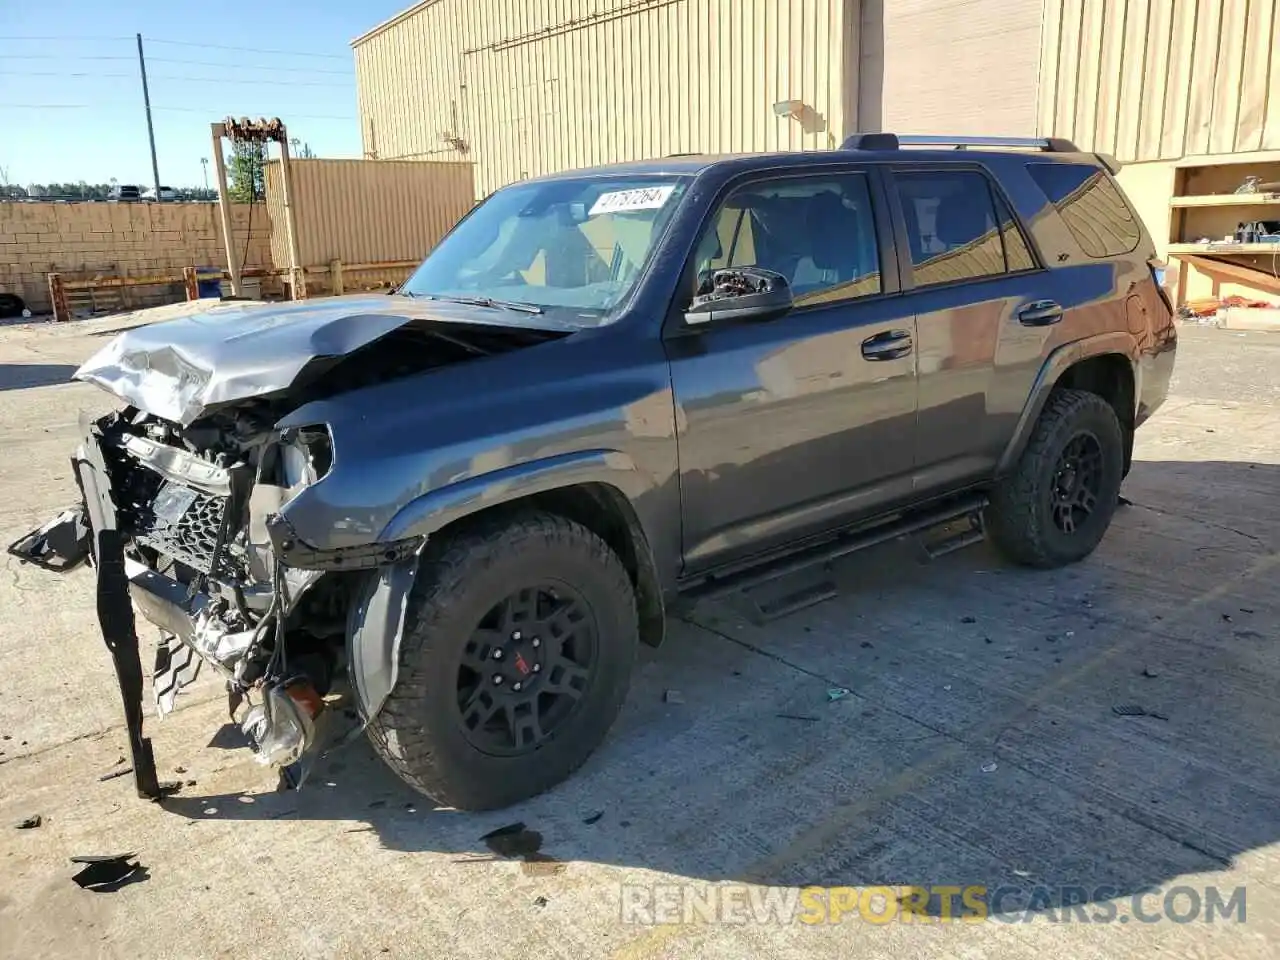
1116, 343
377, 618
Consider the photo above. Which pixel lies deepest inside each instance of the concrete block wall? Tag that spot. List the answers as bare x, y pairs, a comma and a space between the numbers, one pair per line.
83, 240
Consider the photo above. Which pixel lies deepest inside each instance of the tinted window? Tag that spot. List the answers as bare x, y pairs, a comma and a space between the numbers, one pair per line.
818, 232
951, 226
1091, 206
1017, 255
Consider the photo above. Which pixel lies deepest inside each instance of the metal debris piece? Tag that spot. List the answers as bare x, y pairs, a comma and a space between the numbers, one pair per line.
866, 644
673, 696
967, 619
1135, 710
946, 686
799, 716
540, 901
1226, 617
112, 774
837, 693
593, 817
1149, 673
29, 823
109, 873
989, 767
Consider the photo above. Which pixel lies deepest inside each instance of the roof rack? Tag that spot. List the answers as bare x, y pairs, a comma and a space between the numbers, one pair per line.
891, 141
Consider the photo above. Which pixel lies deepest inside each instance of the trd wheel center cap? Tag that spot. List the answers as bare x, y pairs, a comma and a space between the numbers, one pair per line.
517, 664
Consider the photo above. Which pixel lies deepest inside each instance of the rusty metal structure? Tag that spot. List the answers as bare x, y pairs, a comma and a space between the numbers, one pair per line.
262, 130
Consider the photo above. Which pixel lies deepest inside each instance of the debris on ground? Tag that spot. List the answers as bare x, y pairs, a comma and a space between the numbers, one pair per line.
967, 619
1134, 710
798, 716
29, 823
673, 696
591, 818
1149, 673
112, 774
989, 767
110, 873
540, 901
1226, 617
946, 686
1247, 634
866, 644
837, 693
513, 840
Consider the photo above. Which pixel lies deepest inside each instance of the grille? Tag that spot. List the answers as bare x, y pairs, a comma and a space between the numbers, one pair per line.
191, 539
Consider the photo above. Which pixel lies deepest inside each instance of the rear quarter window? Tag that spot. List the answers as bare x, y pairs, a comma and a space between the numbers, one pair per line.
1091, 206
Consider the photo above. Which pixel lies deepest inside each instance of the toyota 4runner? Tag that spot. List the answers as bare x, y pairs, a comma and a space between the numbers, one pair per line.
462, 506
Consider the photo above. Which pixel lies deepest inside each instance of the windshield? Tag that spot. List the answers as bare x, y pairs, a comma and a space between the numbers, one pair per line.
573, 248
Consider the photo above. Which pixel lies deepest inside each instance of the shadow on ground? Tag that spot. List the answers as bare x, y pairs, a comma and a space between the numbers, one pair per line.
24, 376
978, 743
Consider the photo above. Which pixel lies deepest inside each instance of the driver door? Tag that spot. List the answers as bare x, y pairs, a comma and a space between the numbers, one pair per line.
792, 426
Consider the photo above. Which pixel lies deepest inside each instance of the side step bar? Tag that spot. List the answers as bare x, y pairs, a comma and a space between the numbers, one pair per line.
840, 546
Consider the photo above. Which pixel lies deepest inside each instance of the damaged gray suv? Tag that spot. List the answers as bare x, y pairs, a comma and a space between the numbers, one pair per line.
462, 506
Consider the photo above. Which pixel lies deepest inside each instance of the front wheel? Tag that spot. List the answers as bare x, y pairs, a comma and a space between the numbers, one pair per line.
1055, 506
517, 652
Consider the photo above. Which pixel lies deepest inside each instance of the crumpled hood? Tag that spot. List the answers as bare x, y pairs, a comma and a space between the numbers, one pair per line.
179, 369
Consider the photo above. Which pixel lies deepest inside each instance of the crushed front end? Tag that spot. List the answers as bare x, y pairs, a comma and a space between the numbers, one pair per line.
174, 519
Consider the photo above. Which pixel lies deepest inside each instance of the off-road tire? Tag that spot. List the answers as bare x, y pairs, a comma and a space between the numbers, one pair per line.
418, 731
1019, 519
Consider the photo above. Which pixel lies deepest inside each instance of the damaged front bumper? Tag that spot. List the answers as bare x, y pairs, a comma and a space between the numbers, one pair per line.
193, 613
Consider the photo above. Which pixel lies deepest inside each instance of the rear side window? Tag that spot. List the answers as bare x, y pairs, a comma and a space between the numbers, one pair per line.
956, 229
1091, 206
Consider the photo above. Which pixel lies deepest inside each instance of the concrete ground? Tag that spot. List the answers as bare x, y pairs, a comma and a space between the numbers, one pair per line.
978, 745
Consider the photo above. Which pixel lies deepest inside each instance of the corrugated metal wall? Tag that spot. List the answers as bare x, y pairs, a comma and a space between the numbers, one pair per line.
965, 67
365, 211
1160, 79
534, 86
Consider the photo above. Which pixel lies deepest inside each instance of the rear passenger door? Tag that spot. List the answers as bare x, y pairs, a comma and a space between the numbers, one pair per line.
968, 275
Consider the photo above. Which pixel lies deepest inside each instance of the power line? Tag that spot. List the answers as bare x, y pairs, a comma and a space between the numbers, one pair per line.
59, 56
246, 66
190, 43
210, 112
215, 46
163, 76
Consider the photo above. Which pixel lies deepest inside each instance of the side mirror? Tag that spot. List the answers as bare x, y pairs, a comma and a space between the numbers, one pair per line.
739, 293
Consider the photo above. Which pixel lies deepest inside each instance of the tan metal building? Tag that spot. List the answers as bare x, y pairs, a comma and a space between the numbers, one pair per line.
524, 87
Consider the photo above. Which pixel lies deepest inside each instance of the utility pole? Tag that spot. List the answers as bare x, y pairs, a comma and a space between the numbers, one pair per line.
204, 164
151, 133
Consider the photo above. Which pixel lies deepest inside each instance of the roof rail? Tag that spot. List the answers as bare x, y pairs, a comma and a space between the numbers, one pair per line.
891, 141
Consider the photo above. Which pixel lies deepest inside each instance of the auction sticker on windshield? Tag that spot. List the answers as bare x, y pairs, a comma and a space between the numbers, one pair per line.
640, 198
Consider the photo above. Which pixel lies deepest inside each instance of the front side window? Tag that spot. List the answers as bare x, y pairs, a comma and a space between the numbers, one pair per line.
572, 247
818, 232
952, 227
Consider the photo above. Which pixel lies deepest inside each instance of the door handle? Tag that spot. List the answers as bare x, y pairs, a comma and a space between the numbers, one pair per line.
1040, 313
889, 345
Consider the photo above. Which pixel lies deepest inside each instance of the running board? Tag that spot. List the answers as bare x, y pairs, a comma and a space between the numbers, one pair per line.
958, 541
839, 546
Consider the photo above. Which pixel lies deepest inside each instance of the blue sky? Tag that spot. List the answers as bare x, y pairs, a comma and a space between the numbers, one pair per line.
71, 100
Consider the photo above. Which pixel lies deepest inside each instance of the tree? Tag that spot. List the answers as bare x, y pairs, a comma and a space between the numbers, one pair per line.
248, 171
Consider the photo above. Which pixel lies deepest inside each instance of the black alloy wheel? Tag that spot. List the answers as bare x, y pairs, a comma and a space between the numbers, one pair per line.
526, 668
1077, 482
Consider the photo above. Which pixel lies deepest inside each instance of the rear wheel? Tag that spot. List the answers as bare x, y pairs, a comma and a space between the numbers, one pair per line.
1055, 506
515, 660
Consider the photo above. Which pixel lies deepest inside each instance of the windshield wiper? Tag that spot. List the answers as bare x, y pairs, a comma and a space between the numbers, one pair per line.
488, 302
